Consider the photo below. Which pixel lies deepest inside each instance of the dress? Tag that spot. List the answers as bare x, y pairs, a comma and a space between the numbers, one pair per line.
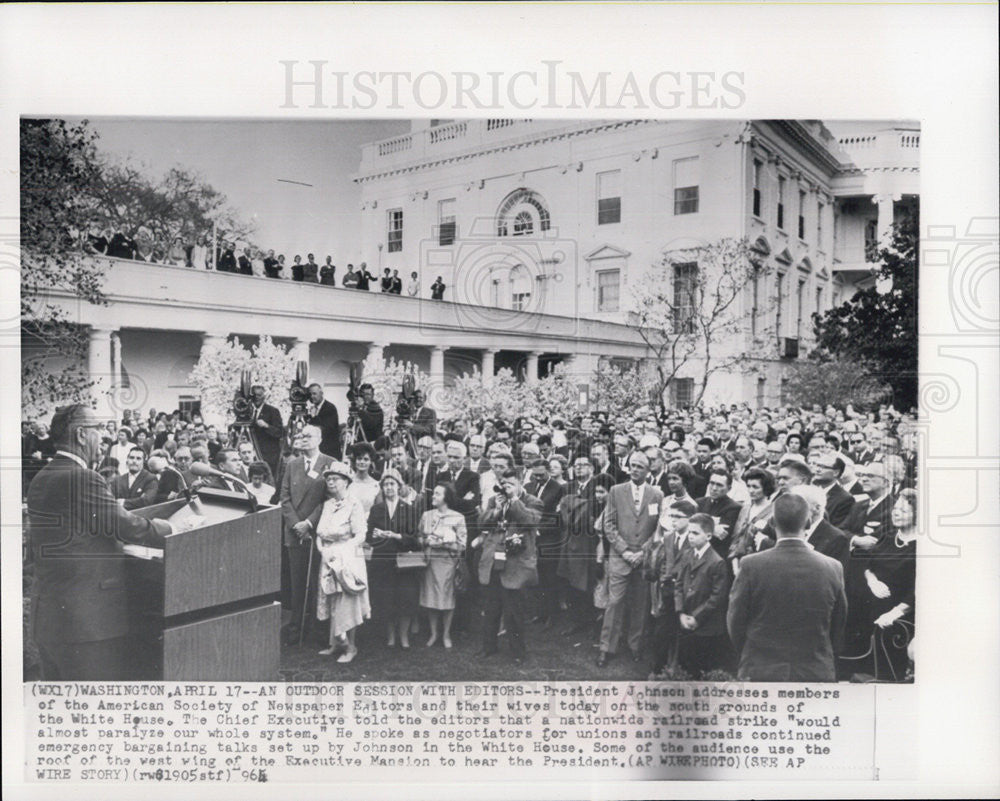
444, 536
365, 490
394, 593
340, 535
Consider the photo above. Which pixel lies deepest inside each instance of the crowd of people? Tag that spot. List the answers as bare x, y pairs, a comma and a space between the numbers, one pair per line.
770, 544
226, 257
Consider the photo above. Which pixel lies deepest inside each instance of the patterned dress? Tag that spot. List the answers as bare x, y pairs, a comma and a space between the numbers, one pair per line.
340, 536
444, 536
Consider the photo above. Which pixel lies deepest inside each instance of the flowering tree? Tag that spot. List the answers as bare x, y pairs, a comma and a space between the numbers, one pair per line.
386, 378
833, 382
622, 391
218, 371
555, 393
505, 397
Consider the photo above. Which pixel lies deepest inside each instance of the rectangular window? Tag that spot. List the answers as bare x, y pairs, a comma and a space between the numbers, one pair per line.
446, 222
781, 202
682, 390
608, 290
685, 296
609, 197
802, 215
189, 405
757, 168
519, 301
394, 228
686, 186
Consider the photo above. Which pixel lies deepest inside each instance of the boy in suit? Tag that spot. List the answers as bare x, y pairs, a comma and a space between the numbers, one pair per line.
675, 549
700, 592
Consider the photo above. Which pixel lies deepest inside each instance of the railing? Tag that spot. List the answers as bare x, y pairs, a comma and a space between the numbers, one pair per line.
444, 133
891, 147
397, 145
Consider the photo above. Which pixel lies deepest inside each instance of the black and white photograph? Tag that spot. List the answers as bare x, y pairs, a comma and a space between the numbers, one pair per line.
561, 400
470, 399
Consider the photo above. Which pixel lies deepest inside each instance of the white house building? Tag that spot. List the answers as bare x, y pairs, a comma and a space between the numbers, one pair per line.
539, 229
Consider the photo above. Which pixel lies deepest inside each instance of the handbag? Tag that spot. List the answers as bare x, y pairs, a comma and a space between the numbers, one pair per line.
411, 560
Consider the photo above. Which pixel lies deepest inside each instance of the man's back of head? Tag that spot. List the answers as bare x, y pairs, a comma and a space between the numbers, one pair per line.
791, 513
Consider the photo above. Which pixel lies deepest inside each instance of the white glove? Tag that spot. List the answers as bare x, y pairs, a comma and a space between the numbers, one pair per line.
879, 588
890, 617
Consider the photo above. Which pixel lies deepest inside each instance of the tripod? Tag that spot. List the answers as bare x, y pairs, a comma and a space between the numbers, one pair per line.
240, 432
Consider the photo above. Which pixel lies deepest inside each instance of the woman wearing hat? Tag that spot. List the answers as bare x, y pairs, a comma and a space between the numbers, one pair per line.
364, 486
443, 534
392, 530
342, 595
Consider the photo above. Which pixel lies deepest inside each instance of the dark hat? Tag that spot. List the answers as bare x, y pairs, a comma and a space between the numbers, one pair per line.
66, 418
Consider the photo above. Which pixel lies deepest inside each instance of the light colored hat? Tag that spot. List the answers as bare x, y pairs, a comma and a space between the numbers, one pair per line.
393, 473
649, 441
338, 469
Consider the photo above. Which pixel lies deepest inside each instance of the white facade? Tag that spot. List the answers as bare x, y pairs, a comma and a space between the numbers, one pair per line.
540, 229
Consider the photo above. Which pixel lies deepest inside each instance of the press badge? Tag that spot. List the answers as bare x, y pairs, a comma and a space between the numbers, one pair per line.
312, 474
500, 556
654, 509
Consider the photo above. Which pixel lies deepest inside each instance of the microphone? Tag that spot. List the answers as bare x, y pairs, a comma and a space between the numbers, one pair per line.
204, 470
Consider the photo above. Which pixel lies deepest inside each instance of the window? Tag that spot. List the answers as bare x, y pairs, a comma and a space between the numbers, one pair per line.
757, 167
761, 392
781, 202
608, 290
446, 222
685, 296
520, 288
609, 197
518, 203
524, 225
802, 215
686, 186
871, 240
189, 405
820, 211
800, 303
682, 391
395, 230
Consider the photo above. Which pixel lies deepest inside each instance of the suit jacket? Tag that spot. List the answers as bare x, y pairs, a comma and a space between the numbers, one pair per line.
868, 519
839, 503
831, 541
76, 532
403, 521
465, 482
142, 492
727, 510
268, 440
700, 590
327, 420
428, 482
301, 496
549, 493
522, 516
786, 614
673, 558
245, 265
624, 529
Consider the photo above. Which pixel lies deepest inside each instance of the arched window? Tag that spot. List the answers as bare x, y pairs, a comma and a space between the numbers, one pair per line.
522, 213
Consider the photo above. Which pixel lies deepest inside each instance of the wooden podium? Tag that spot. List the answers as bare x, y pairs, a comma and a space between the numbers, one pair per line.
206, 607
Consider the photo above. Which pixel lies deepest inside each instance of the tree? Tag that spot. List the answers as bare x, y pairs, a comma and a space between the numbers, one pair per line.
59, 169
689, 311
835, 382
556, 392
622, 391
877, 328
504, 398
218, 371
386, 378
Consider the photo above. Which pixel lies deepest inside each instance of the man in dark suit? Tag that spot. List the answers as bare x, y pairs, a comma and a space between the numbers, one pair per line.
657, 469
787, 606
121, 247
266, 428
325, 417
827, 469
79, 606
820, 534
245, 262
631, 515
507, 567
364, 277
602, 463
225, 261
438, 464
424, 420
701, 586
675, 549
302, 493
724, 510
549, 492
466, 482
137, 487
859, 451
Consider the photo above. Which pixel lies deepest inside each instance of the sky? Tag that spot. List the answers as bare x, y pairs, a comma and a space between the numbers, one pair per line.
244, 159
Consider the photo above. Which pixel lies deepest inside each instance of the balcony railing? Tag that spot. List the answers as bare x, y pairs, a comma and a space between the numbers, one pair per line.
892, 147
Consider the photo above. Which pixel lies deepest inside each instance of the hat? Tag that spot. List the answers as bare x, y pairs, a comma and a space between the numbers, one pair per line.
649, 441
338, 469
393, 473
77, 415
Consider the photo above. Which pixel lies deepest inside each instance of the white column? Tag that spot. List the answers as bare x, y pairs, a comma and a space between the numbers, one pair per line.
212, 341
886, 206
300, 350
377, 348
532, 367
437, 366
99, 369
489, 365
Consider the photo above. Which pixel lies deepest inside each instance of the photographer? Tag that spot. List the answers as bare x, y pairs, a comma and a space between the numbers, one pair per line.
324, 416
424, 418
509, 562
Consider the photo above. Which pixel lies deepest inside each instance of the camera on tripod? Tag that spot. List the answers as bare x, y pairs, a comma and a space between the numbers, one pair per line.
353, 393
405, 400
298, 392
242, 403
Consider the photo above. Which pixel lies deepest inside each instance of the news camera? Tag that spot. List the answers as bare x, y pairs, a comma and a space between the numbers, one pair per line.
405, 401
242, 399
298, 392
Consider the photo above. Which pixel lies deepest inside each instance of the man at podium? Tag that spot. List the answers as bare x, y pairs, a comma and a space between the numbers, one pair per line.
79, 614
